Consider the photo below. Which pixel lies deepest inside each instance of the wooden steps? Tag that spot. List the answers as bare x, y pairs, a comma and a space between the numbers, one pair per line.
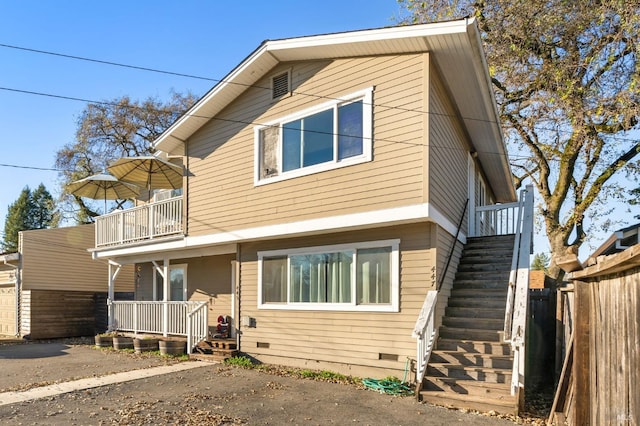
470, 367
216, 350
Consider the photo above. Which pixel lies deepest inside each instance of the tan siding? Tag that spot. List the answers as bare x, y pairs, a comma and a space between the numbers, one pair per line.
222, 196
445, 242
7, 277
57, 259
344, 340
448, 155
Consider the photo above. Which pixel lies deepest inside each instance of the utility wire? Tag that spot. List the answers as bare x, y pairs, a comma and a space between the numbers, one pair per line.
253, 123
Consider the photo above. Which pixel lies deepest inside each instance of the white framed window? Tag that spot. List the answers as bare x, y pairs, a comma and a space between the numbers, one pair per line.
361, 276
334, 134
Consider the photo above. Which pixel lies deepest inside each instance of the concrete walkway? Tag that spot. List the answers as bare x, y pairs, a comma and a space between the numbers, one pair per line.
94, 382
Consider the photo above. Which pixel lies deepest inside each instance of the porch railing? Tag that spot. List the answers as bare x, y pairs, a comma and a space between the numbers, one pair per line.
167, 318
496, 219
197, 324
140, 223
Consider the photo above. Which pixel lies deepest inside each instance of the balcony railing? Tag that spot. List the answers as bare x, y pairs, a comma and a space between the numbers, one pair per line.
141, 223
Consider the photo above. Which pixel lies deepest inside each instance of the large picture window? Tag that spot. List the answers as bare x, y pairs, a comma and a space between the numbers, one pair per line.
359, 276
328, 136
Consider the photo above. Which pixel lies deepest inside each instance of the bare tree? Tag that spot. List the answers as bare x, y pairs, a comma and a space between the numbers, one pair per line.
567, 81
110, 130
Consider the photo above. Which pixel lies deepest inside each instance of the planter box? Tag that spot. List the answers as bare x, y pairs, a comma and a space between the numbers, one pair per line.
172, 347
122, 342
104, 341
145, 345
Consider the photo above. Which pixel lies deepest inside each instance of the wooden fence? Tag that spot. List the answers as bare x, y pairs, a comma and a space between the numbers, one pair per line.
601, 373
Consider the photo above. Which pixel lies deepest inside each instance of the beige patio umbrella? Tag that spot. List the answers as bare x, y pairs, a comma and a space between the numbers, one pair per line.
103, 186
150, 172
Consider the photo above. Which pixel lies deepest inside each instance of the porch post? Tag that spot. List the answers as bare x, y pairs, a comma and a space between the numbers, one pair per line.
165, 297
111, 293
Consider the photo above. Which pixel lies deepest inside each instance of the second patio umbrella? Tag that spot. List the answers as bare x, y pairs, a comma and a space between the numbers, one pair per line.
150, 172
103, 186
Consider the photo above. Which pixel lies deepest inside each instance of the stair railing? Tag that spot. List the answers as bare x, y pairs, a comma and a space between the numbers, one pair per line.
426, 335
425, 330
197, 325
516, 314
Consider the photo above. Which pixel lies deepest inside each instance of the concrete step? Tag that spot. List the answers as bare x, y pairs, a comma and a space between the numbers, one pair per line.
471, 334
475, 302
503, 405
491, 324
471, 359
468, 312
481, 374
467, 387
473, 346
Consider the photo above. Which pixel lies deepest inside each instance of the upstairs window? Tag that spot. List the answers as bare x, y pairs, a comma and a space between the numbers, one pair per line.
334, 134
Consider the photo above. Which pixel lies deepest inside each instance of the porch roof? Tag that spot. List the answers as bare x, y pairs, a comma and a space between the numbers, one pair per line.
457, 50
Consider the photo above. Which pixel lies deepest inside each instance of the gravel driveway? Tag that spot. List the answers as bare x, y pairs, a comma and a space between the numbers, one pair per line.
210, 395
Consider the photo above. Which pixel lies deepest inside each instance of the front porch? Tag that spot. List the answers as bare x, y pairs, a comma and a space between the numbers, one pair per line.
189, 297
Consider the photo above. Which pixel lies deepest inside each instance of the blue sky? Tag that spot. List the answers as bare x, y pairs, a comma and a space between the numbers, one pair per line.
201, 38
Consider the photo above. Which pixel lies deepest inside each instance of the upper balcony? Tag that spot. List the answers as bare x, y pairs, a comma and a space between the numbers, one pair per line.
142, 223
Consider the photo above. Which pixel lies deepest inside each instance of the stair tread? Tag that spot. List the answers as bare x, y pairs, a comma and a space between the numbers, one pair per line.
468, 368
473, 341
508, 401
450, 352
469, 382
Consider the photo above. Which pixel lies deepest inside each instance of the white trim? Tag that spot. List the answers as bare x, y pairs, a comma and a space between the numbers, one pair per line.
366, 95
354, 221
394, 267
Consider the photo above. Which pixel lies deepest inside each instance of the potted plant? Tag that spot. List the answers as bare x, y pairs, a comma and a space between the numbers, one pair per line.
145, 344
104, 340
122, 342
172, 346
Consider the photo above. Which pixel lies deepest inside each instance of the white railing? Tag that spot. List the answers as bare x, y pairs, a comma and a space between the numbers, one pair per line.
166, 318
516, 312
496, 219
426, 333
197, 325
140, 223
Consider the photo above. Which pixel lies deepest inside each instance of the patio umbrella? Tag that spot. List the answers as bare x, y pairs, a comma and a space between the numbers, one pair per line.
103, 186
150, 172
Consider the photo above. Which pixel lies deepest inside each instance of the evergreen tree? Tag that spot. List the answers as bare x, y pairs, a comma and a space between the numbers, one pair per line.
32, 210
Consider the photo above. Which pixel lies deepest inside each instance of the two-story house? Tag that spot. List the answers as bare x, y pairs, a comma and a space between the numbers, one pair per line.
326, 181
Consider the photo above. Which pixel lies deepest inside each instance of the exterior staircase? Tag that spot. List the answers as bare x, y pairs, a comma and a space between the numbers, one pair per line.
470, 366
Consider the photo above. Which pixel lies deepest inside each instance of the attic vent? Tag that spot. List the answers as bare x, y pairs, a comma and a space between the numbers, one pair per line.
280, 85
